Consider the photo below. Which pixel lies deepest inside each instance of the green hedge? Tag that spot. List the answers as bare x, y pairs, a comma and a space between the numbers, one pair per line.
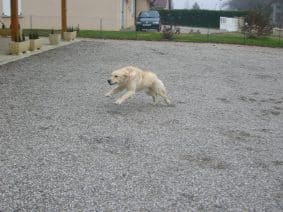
197, 18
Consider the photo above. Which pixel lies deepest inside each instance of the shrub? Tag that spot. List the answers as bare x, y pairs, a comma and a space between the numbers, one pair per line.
20, 37
70, 29
257, 23
33, 35
167, 33
78, 28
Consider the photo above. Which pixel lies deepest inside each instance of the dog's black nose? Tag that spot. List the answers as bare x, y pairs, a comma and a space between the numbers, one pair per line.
109, 81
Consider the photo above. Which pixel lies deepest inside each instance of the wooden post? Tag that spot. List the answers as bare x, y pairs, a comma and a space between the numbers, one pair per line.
14, 20
64, 16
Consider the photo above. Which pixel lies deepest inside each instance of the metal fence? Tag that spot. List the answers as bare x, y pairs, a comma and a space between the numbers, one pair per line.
84, 22
187, 33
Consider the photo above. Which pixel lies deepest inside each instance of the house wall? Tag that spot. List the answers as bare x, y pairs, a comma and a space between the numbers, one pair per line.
88, 14
1, 10
41, 14
142, 5
3, 13
1, 7
129, 14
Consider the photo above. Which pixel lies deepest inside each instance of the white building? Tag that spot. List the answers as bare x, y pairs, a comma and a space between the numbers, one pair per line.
231, 24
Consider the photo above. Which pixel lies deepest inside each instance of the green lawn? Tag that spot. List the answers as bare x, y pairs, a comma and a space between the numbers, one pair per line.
121, 35
229, 38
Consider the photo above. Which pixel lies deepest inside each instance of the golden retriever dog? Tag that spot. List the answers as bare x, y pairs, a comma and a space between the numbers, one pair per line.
134, 79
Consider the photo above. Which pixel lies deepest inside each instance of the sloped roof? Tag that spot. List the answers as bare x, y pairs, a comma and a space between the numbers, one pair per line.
160, 3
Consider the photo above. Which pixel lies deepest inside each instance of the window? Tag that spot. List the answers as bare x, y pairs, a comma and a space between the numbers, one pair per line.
7, 7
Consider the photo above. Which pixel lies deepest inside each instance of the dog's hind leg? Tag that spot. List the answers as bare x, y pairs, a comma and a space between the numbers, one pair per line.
152, 94
154, 99
165, 97
162, 93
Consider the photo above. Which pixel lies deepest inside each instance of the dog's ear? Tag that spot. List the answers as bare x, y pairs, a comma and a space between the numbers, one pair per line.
130, 73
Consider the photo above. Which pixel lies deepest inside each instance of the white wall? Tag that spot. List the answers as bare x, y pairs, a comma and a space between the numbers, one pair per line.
229, 24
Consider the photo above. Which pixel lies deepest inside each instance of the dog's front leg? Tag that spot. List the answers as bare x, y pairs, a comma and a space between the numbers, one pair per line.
127, 95
114, 91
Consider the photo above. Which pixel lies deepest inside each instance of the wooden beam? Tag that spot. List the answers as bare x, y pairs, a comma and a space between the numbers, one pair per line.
64, 16
14, 20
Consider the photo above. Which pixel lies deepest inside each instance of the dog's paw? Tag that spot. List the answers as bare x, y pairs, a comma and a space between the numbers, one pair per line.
171, 105
118, 102
153, 103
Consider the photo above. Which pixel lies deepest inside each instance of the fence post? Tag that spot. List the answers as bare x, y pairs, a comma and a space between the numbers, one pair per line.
279, 35
136, 34
207, 34
100, 27
30, 21
245, 32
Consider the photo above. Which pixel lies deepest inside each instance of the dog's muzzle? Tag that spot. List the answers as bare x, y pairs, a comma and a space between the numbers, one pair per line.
110, 82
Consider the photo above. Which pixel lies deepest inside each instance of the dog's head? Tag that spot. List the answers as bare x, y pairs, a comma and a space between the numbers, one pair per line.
121, 76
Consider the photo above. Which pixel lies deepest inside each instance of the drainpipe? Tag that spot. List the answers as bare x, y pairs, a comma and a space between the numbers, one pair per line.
122, 14
135, 12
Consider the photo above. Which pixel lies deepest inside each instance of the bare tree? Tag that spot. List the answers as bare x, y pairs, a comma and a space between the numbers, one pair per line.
250, 4
257, 24
196, 6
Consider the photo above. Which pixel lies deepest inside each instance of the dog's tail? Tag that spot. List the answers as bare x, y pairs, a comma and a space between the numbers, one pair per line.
160, 88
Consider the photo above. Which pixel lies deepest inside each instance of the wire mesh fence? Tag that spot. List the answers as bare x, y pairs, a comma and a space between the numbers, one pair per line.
54, 22
97, 27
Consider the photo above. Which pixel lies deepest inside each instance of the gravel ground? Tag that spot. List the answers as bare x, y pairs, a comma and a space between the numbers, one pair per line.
66, 147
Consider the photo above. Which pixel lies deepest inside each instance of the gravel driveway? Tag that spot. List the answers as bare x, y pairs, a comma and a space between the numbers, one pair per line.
66, 147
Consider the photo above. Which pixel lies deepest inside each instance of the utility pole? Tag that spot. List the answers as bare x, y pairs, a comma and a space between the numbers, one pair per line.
170, 4
170, 8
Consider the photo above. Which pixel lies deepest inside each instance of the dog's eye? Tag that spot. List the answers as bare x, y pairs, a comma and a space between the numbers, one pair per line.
115, 76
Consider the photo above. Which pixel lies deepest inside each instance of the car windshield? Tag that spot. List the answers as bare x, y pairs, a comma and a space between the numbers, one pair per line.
149, 14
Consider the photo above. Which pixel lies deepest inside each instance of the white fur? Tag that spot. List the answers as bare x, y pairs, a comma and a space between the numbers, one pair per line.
134, 79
